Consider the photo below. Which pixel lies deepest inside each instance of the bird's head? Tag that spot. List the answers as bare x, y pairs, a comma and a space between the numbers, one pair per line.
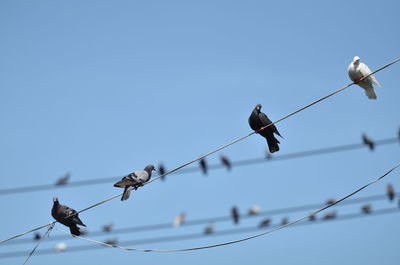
55, 200
356, 60
258, 108
150, 168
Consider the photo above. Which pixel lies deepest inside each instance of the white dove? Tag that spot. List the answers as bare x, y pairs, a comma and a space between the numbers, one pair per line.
356, 71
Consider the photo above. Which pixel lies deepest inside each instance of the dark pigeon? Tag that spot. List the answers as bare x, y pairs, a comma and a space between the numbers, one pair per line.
329, 216
134, 181
265, 222
366, 209
285, 221
312, 217
203, 166
209, 230
61, 212
161, 171
226, 162
37, 237
368, 142
390, 192
63, 180
331, 201
257, 120
235, 215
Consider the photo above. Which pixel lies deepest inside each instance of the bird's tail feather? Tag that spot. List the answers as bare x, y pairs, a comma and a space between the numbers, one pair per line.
75, 230
127, 193
370, 92
273, 145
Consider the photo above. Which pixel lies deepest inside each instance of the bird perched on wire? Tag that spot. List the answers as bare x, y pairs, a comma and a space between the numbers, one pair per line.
203, 165
329, 216
37, 237
111, 241
366, 208
235, 215
265, 222
161, 171
63, 180
390, 192
108, 227
134, 181
226, 162
209, 229
180, 219
368, 142
66, 216
312, 217
358, 73
254, 210
60, 247
257, 120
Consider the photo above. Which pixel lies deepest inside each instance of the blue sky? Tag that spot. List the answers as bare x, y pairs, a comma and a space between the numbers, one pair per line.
101, 88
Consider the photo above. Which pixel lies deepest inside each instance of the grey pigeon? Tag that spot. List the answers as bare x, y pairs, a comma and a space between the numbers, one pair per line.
107, 227
61, 212
134, 181
161, 171
357, 71
111, 241
226, 162
257, 120
390, 192
203, 166
331, 201
265, 222
366, 209
63, 180
368, 142
235, 215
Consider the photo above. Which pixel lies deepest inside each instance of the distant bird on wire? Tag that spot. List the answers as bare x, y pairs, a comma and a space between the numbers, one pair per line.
329, 216
390, 192
254, 210
265, 222
180, 219
61, 212
235, 215
161, 170
63, 180
357, 72
37, 237
134, 181
366, 209
226, 162
60, 247
209, 229
257, 120
108, 227
368, 142
203, 166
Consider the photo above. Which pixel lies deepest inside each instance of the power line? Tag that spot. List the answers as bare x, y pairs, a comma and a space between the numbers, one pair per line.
231, 143
216, 219
238, 163
190, 236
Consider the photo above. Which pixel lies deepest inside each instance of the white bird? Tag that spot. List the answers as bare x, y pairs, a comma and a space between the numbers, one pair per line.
356, 71
60, 247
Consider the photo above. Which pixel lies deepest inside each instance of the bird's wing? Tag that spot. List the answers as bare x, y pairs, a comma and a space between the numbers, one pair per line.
366, 71
125, 181
141, 176
265, 121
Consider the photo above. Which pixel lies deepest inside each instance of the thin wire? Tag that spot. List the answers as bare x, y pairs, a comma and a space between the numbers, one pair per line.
344, 217
238, 163
250, 237
215, 219
26, 232
49, 229
239, 139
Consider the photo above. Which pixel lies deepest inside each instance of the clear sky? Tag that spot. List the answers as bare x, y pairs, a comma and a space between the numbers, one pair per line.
103, 88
